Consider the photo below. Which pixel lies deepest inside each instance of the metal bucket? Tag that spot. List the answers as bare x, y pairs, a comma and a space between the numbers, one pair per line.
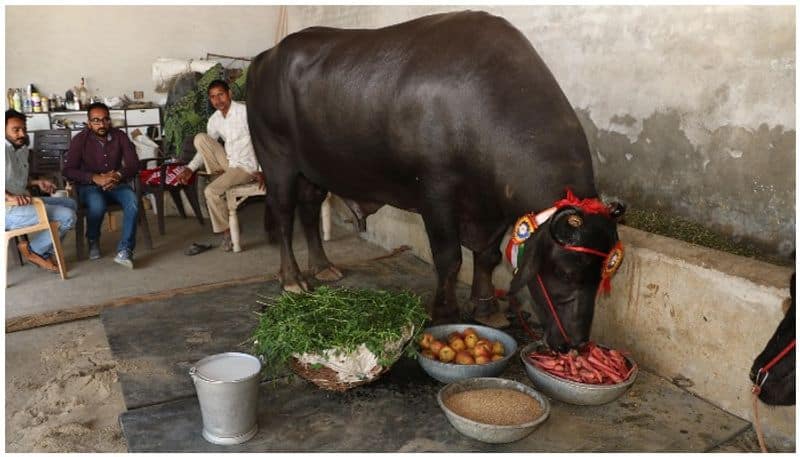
227, 388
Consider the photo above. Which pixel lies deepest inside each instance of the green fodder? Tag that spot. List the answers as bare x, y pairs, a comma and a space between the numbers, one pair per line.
335, 318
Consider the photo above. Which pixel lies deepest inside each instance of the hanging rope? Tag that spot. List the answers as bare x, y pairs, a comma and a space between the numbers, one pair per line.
757, 423
283, 24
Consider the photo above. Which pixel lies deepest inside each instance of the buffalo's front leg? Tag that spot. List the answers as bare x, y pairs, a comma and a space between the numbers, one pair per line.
443, 235
485, 303
310, 198
282, 201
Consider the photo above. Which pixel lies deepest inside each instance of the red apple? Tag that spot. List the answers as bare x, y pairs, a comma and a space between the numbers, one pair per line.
428, 354
425, 341
498, 348
436, 346
483, 347
470, 339
446, 354
457, 344
463, 358
482, 359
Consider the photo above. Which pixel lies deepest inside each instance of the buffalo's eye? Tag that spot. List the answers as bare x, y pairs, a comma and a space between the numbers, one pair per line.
563, 273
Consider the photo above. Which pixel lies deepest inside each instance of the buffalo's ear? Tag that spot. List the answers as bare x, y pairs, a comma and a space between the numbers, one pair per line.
616, 209
529, 265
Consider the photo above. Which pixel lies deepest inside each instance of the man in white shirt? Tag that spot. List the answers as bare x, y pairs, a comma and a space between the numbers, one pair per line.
234, 164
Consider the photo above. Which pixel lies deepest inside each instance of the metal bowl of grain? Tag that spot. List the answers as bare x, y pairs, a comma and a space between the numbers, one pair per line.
493, 410
575, 393
451, 372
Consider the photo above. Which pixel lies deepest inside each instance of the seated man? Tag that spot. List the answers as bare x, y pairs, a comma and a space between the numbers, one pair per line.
235, 163
101, 159
62, 210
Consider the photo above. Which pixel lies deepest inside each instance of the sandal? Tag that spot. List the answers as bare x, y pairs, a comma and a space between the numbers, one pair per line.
196, 248
227, 243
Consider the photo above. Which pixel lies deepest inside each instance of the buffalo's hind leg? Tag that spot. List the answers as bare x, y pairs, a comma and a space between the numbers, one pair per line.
310, 198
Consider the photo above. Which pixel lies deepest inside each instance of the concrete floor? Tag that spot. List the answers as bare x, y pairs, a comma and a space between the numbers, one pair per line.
91, 282
32, 290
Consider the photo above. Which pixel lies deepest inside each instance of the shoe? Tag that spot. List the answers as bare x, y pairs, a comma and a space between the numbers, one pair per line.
94, 250
196, 248
36, 259
124, 258
227, 243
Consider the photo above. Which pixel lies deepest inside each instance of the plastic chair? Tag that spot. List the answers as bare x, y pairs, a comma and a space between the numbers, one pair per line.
44, 224
236, 195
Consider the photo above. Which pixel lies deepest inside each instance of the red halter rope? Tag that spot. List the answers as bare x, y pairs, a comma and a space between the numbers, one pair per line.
765, 369
756, 390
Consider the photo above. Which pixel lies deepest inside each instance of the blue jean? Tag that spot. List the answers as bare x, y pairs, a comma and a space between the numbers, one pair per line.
61, 210
96, 201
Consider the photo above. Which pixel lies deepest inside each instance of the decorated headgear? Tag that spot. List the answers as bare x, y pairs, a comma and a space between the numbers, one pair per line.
529, 223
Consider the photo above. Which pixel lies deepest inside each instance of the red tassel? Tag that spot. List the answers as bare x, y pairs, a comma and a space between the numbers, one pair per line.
605, 285
588, 205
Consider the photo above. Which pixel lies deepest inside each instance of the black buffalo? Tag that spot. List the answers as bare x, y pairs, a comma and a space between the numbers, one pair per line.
454, 116
779, 386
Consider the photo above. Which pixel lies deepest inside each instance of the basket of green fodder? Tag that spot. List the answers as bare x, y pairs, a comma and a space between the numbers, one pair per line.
338, 338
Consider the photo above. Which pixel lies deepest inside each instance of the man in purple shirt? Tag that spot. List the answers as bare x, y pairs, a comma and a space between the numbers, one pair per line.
100, 160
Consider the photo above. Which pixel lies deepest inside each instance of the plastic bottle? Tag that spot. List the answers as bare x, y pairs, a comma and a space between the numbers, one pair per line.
36, 102
26, 105
45, 105
83, 93
17, 101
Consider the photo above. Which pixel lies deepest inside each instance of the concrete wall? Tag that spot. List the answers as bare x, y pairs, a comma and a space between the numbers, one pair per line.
689, 110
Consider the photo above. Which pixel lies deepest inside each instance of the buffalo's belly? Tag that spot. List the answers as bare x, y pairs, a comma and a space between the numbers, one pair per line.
362, 180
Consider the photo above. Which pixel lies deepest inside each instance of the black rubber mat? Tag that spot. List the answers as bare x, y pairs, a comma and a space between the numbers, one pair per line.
400, 413
155, 343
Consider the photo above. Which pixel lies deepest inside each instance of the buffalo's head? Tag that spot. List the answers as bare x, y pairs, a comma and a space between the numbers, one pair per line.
565, 257
779, 386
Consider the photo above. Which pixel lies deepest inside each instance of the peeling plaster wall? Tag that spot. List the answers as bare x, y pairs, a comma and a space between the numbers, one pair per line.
689, 110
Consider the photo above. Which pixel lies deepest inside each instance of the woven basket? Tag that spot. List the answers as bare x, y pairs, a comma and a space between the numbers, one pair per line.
327, 379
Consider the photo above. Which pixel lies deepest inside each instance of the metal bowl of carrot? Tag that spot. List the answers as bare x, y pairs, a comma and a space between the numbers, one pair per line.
595, 380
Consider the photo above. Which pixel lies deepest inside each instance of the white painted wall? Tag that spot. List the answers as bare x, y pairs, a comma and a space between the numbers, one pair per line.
115, 46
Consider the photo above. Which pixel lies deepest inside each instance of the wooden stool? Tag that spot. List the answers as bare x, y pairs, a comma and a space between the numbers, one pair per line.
44, 224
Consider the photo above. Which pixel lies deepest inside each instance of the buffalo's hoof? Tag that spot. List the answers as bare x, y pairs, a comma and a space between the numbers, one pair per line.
296, 288
484, 307
329, 274
494, 320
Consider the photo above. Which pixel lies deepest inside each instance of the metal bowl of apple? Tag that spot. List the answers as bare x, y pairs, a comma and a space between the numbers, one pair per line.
450, 353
